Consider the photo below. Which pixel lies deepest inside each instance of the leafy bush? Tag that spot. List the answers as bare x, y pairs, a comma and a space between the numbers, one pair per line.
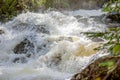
10, 8
113, 34
112, 6
7, 9
113, 40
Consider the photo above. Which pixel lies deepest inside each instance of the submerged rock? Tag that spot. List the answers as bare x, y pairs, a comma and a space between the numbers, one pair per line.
86, 49
24, 47
20, 60
104, 68
42, 29
1, 31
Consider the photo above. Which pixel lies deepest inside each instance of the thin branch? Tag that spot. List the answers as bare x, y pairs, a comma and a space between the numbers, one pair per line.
110, 72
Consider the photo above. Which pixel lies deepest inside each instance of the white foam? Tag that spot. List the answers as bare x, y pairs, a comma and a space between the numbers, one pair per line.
86, 13
55, 36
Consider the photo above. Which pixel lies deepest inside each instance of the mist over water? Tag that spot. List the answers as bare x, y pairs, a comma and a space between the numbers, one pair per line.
54, 46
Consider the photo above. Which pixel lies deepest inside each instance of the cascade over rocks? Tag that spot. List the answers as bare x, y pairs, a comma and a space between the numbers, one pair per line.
24, 48
104, 68
36, 28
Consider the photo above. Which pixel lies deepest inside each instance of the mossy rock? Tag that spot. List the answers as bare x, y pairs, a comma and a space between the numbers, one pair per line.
105, 68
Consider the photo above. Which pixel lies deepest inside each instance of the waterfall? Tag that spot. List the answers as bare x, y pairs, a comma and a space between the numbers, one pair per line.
48, 46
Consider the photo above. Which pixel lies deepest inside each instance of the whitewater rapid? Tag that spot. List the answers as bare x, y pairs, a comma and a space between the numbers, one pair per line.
55, 43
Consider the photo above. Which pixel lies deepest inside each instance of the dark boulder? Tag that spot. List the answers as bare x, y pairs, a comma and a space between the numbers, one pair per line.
1, 31
24, 47
113, 17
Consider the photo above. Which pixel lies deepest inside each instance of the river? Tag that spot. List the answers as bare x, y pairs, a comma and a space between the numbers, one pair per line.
53, 44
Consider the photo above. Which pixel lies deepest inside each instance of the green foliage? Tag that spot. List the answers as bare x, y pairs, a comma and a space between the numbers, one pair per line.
7, 9
10, 8
112, 6
48, 3
113, 38
116, 49
109, 64
62, 3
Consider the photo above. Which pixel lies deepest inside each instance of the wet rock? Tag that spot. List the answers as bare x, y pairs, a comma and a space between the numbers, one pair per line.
24, 47
20, 60
27, 26
1, 31
112, 19
56, 59
104, 68
99, 19
113, 25
97, 40
42, 29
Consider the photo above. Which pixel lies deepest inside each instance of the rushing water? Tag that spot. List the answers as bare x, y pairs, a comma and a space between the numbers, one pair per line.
59, 49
